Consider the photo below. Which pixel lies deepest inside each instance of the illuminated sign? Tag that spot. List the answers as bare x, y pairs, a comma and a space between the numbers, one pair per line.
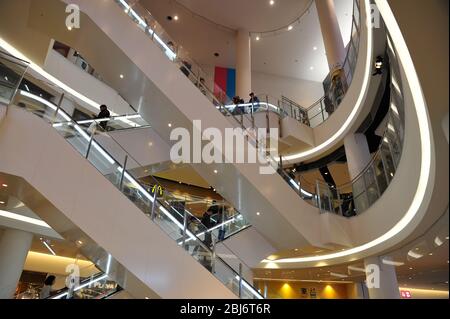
405, 294
157, 189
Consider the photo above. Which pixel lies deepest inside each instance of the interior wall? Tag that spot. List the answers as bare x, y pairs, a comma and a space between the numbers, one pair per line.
81, 81
302, 92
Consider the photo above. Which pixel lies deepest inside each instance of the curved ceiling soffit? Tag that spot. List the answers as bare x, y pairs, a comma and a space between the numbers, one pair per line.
426, 149
262, 33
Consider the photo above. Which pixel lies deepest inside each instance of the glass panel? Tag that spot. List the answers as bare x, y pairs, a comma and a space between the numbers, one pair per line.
11, 71
360, 198
380, 174
371, 186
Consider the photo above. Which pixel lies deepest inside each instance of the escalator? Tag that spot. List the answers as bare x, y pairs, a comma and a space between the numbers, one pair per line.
40, 121
275, 206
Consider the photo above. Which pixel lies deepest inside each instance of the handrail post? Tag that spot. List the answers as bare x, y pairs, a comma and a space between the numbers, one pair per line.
376, 180
58, 108
267, 114
383, 160
319, 200
152, 216
90, 142
184, 227
330, 203
123, 172
213, 257
339, 201
240, 280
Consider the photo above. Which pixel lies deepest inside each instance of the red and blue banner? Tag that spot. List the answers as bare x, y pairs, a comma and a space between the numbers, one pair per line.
224, 84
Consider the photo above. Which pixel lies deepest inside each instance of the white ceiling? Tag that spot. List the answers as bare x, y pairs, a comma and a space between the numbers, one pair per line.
251, 15
289, 54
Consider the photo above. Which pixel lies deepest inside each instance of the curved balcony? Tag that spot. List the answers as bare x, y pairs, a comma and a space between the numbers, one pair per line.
394, 191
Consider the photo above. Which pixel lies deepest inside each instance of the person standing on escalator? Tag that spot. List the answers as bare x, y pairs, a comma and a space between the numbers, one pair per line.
104, 114
208, 223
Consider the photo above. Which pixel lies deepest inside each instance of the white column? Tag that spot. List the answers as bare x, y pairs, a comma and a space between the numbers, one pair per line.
14, 247
385, 286
357, 152
358, 156
331, 33
243, 64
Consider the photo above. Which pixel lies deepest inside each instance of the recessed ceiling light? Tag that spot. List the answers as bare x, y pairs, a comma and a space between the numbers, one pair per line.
175, 18
311, 68
170, 124
315, 48
215, 171
257, 38
5, 185
121, 76
258, 213
290, 28
272, 2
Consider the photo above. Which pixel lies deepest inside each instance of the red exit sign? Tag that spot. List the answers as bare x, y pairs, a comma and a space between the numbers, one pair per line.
405, 294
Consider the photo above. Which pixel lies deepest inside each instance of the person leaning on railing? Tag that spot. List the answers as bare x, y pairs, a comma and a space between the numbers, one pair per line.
254, 101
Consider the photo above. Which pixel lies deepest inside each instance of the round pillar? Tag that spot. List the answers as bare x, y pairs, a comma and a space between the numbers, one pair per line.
14, 247
381, 278
358, 156
357, 152
243, 64
331, 33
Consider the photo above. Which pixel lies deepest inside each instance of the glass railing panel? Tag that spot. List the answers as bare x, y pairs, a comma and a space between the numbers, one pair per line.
381, 174
98, 289
360, 196
325, 197
371, 185
93, 142
11, 72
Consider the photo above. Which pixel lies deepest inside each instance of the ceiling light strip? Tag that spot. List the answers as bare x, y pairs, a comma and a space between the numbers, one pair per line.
24, 219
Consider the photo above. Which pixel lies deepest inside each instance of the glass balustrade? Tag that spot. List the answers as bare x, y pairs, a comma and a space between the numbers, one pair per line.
373, 181
95, 144
243, 113
12, 70
97, 286
336, 84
